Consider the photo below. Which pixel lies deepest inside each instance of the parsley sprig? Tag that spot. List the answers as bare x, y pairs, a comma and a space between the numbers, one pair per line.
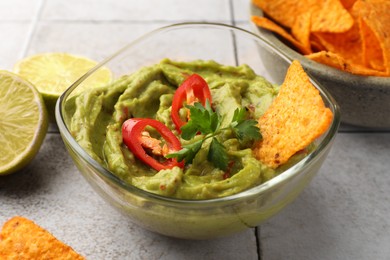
203, 120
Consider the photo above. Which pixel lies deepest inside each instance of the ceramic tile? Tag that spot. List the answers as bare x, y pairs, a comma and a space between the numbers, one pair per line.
19, 10
344, 213
94, 40
100, 40
51, 192
241, 10
135, 10
14, 39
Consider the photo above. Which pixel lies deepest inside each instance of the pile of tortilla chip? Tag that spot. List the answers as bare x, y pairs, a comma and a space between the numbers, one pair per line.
350, 35
22, 239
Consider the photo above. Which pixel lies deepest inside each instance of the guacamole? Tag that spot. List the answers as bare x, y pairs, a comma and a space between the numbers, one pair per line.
95, 118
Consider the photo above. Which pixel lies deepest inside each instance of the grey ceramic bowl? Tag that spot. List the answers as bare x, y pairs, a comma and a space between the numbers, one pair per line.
364, 100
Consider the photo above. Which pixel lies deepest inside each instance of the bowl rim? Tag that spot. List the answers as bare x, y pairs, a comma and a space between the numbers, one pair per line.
254, 191
315, 67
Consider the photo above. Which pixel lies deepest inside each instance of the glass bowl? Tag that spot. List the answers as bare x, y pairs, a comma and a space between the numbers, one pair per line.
198, 219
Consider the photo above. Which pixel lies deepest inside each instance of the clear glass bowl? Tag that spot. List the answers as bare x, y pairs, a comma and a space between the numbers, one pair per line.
198, 219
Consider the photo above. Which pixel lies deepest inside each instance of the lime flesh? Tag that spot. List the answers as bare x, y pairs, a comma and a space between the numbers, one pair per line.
53, 73
23, 122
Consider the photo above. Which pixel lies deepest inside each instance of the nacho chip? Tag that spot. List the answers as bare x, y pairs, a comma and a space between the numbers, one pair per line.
285, 11
347, 3
301, 30
295, 119
270, 25
316, 44
371, 48
348, 44
330, 16
22, 239
376, 15
330, 59
336, 61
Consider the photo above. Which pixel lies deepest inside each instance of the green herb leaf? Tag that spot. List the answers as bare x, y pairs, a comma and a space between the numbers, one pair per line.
189, 130
239, 115
247, 131
217, 155
187, 153
244, 129
202, 119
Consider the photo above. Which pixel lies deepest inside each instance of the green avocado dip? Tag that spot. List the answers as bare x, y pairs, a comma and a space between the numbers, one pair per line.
96, 116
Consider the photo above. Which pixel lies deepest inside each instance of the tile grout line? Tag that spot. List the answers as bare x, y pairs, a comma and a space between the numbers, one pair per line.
232, 19
258, 243
256, 230
233, 35
32, 28
233, 22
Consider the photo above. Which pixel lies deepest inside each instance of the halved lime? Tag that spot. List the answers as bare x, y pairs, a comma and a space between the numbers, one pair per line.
23, 122
53, 73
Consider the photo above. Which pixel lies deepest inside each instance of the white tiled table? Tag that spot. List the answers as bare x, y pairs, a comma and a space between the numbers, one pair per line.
343, 214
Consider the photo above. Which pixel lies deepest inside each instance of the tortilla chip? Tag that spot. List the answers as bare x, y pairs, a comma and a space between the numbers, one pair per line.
347, 3
330, 59
371, 48
316, 44
22, 239
301, 30
348, 44
328, 15
294, 120
270, 25
336, 61
376, 15
331, 16
285, 11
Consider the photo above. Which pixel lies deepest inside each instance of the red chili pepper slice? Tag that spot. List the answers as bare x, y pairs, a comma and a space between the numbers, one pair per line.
193, 89
137, 139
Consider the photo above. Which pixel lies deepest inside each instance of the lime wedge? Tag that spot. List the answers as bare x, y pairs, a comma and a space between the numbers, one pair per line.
53, 73
23, 122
